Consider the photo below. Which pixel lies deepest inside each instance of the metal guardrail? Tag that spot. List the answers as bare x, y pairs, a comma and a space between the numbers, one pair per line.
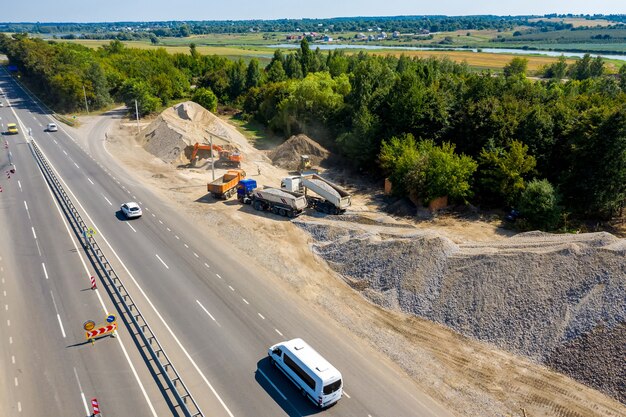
175, 391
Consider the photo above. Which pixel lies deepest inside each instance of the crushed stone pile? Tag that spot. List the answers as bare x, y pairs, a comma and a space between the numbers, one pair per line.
287, 155
171, 135
553, 298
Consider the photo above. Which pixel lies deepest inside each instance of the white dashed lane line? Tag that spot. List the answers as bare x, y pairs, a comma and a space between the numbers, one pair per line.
131, 227
207, 265
261, 315
76, 165
65, 153
196, 255
107, 200
187, 246
89, 179
278, 331
218, 275
245, 301
43, 265
34, 234
159, 258
206, 311
231, 288
177, 238
19, 184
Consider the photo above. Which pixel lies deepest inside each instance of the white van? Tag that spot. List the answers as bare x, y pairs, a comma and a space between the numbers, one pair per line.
316, 378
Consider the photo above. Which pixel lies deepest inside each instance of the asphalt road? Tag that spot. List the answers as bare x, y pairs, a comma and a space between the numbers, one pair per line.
48, 368
214, 313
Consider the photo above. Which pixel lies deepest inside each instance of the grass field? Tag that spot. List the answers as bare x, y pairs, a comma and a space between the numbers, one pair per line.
576, 21
477, 60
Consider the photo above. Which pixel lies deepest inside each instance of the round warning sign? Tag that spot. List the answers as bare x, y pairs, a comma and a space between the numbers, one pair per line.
89, 325
110, 318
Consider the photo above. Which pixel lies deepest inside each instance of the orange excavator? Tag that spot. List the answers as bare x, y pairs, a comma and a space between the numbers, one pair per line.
226, 156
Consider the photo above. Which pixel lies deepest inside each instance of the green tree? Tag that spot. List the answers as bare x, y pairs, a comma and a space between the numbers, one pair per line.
275, 72
503, 170
205, 98
253, 74
539, 205
306, 56
517, 67
293, 67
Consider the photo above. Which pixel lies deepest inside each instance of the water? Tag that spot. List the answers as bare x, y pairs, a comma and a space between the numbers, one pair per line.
332, 46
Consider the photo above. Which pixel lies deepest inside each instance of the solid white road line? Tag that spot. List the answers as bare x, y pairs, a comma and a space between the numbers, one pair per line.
131, 227
143, 293
43, 265
104, 308
159, 258
89, 179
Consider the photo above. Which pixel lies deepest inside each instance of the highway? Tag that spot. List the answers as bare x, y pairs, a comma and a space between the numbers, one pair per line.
214, 313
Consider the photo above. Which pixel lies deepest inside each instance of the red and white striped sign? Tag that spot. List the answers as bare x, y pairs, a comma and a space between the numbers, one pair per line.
101, 330
93, 283
95, 406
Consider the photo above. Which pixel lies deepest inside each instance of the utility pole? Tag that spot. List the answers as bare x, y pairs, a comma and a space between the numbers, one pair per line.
212, 161
137, 115
85, 95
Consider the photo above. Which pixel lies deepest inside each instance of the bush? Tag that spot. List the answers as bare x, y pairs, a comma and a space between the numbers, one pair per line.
539, 205
205, 98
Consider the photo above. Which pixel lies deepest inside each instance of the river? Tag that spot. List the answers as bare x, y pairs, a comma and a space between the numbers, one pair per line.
332, 46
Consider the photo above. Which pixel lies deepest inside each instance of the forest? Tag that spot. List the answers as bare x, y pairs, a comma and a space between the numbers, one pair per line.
554, 148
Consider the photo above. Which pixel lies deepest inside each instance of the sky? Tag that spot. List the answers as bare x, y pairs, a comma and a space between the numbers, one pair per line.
161, 10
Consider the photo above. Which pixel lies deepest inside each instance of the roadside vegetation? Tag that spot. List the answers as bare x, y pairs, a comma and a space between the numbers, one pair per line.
555, 148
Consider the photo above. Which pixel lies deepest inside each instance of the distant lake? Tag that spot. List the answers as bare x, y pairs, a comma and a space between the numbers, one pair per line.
332, 46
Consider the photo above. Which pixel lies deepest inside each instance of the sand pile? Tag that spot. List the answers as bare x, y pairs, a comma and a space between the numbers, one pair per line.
178, 128
554, 298
287, 155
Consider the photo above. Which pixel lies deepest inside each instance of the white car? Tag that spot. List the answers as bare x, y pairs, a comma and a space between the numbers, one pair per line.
52, 127
131, 210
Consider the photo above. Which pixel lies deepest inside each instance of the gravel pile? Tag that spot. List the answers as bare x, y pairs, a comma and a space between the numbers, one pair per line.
287, 155
553, 298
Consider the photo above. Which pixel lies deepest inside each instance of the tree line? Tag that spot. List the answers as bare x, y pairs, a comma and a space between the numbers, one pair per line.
555, 149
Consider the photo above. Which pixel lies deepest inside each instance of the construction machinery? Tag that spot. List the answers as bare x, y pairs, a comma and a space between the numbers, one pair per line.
281, 202
330, 198
227, 154
226, 185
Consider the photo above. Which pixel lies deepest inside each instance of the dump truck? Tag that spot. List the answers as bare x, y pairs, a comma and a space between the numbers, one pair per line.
226, 185
331, 198
281, 202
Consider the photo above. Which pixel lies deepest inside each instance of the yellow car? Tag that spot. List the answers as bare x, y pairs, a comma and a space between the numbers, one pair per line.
12, 129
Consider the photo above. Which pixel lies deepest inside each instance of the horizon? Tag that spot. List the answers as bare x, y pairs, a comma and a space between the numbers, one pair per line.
117, 11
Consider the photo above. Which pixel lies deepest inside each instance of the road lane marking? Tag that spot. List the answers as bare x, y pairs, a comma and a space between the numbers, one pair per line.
169, 230
89, 179
19, 407
206, 311
61, 324
10, 340
19, 184
187, 246
278, 331
159, 258
82, 394
13, 359
245, 301
34, 234
131, 227
261, 315
16, 382
231, 288
167, 327
196, 255
26, 205
8, 323
43, 265
65, 152
346, 394
207, 265
272, 384
76, 165
153, 215
106, 199
55, 141
160, 221
177, 237
218, 275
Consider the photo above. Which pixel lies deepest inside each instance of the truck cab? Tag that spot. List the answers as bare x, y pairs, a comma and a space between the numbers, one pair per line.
245, 189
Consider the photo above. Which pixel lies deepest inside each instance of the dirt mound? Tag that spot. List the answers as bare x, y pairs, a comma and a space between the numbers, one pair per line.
287, 155
538, 294
179, 127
